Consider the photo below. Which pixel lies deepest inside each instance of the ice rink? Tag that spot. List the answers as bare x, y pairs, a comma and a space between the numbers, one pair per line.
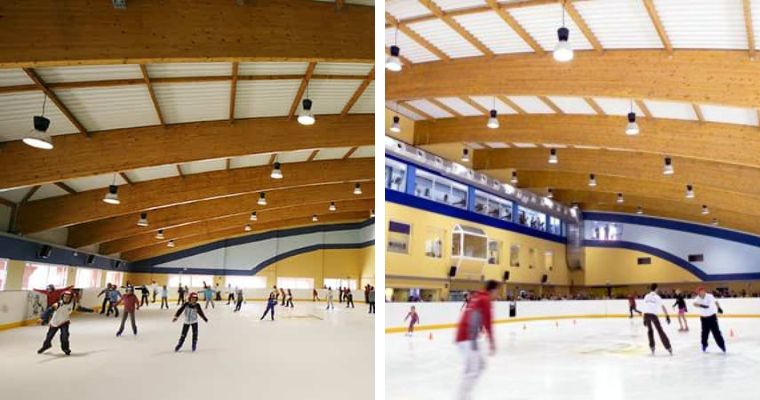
306, 352
600, 359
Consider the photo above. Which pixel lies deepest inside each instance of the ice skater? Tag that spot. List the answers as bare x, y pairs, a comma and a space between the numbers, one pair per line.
131, 304
709, 308
191, 311
652, 305
329, 299
105, 293
164, 297
60, 321
271, 303
314, 295
181, 295
289, 302
145, 295
217, 293
208, 295
371, 298
683, 326
283, 296
349, 298
632, 305
154, 290
231, 294
113, 299
475, 319
53, 297
239, 298
413, 318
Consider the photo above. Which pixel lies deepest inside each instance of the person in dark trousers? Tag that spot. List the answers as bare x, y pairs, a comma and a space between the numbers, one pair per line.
282, 294
271, 303
329, 299
371, 298
349, 298
145, 295
181, 293
289, 303
131, 304
314, 295
60, 320
164, 297
709, 308
53, 296
366, 293
154, 289
191, 310
239, 297
632, 305
217, 293
652, 305
113, 299
340, 294
105, 295
683, 326
230, 294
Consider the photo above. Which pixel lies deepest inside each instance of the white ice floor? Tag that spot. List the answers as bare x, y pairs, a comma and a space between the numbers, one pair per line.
307, 353
595, 359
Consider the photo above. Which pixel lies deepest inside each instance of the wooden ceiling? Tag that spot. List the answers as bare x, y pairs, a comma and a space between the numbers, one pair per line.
696, 97
198, 159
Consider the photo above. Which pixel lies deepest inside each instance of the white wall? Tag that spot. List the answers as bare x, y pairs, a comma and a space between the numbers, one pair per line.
15, 305
448, 312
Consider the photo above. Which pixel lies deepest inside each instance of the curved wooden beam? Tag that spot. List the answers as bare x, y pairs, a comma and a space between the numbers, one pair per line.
195, 241
699, 76
88, 206
126, 149
81, 32
233, 222
124, 226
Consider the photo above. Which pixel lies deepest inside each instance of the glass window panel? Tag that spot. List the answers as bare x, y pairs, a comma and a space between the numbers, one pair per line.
246, 282
87, 278
295, 283
423, 187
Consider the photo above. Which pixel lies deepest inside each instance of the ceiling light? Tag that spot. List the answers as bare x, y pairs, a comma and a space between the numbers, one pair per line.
550, 193
247, 227
276, 171
493, 122
395, 126
393, 61
372, 213
465, 155
262, 199
112, 197
306, 117
170, 244
143, 221
689, 192
715, 222
38, 137
160, 234
358, 188
553, 156
254, 217
640, 211
563, 51
632, 128
314, 218
332, 206
620, 199
513, 180
592, 180
705, 210
667, 169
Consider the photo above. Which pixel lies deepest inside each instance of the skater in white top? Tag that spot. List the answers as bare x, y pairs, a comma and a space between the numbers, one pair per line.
329, 299
709, 308
652, 305
60, 321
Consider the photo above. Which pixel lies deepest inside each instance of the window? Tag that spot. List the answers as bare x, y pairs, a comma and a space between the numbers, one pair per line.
395, 175
87, 278
246, 282
494, 249
696, 258
423, 186
644, 260
555, 226
3, 272
440, 189
190, 280
493, 206
295, 283
533, 219
514, 255
434, 242
604, 231
469, 242
398, 237
38, 276
115, 278
549, 260
337, 283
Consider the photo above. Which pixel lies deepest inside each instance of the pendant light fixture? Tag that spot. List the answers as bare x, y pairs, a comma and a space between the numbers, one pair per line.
620, 199
550, 193
640, 211
689, 192
38, 136
667, 168
254, 217
393, 61
396, 126
705, 210
160, 234
306, 117
143, 221
314, 218
493, 122
276, 171
592, 180
358, 189
170, 244
465, 155
563, 51
553, 156
247, 227
332, 206
632, 128
262, 199
715, 222
513, 180
372, 213
112, 197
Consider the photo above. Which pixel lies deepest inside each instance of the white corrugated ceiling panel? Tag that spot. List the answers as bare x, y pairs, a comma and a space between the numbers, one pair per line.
199, 167
755, 11
444, 38
531, 104
449, 5
47, 191
151, 173
176, 70
409, 49
670, 109
366, 102
703, 24
520, 145
265, 98
272, 68
18, 109
497, 145
14, 77
729, 115
572, 105
113, 107
617, 106
326, 68
396, 108
542, 22
188, 102
430, 108
14, 195
333, 153
294, 156
329, 96
364, 152
460, 106
554, 145
488, 103
493, 32
619, 24
89, 73
253, 160
94, 182
405, 9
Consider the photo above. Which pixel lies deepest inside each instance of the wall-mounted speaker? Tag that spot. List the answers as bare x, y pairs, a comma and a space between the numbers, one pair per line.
506, 276
452, 272
544, 278
90, 259
45, 252
117, 264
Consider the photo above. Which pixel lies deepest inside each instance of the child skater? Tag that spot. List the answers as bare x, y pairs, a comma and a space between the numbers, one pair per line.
145, 293
290, 300
632, 305
413, 318
53, 297
314, 295
349, 296
191, 311
239, 298
113, 299
60, 321
683, 326
208, 294
329, 299
271, 303
164, 297
131, 304
282, 293
709, 308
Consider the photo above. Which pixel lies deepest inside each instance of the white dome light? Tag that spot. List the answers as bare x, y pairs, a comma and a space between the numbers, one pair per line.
553, 156
592, 180
563, 51
640, 211
513, 180
170, 244
395, 126
160, 234
632, 128
314, 218
393, 61
247, 227
112, 197
306, 117
143, 221
38, 136
689, 192
493, 122
705, 210
550, 193
276, 171
358, 189
262, 199
332, 206
667, 169
465, 155
620, 199
254, 217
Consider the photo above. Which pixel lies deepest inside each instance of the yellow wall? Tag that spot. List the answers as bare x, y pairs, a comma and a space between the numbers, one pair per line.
620, 267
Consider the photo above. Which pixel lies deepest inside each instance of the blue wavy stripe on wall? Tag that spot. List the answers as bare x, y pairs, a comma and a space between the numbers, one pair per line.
693, 269
454, 212
711, 231
256, 269
150, 262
